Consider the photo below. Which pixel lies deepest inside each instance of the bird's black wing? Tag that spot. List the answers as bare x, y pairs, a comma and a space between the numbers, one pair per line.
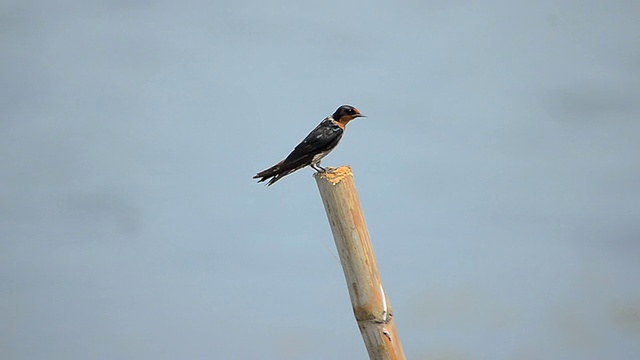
323, 138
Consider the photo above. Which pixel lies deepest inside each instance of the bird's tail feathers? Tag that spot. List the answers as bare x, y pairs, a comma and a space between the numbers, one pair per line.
272, 174
270, 171
281, 169
278, 177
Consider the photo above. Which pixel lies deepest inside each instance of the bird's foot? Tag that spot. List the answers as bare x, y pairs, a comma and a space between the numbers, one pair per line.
318, 168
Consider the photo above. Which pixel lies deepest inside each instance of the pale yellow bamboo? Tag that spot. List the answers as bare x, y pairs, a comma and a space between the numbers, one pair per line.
371, 305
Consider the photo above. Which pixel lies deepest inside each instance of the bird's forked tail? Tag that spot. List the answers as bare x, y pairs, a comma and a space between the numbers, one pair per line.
273, 174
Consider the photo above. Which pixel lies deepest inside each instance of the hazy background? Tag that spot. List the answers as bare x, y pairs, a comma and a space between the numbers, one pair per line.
499, 171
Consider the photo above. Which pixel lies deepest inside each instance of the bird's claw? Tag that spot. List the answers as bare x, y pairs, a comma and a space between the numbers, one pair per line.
318, 168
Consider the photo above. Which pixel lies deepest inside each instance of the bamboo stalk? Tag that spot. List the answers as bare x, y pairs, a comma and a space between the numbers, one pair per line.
371, 305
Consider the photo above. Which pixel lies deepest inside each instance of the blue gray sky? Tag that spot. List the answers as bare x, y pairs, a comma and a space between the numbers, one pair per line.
498, 170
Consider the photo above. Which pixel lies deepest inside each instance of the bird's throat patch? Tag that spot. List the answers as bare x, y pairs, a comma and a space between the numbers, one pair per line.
341, 124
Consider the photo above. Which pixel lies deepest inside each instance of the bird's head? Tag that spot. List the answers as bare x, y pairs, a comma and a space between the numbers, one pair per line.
346, 113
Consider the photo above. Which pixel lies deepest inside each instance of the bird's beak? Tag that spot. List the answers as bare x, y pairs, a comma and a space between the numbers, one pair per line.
359, 115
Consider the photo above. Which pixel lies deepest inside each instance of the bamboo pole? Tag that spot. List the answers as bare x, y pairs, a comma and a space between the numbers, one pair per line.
371, 306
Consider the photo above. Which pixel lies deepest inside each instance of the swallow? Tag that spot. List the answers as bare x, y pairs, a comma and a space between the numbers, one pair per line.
318, 144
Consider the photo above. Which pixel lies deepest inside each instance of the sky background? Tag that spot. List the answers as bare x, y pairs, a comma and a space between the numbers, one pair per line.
498, 169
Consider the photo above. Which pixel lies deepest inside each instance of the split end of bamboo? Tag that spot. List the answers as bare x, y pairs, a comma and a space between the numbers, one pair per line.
334, 175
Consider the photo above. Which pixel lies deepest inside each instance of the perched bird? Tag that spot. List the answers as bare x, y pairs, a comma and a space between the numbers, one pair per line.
318, 144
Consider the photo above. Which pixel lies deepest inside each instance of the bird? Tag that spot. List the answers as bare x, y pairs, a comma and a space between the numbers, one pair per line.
318, 144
